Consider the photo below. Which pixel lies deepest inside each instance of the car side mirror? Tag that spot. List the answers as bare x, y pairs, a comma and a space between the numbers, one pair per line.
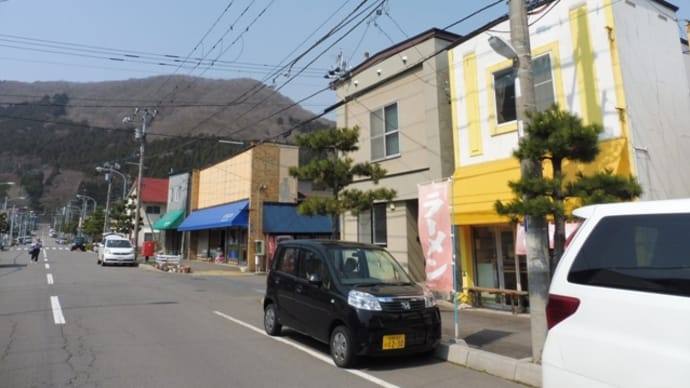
314, 278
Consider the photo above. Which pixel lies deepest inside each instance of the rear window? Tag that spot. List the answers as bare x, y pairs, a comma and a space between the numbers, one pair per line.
638, 252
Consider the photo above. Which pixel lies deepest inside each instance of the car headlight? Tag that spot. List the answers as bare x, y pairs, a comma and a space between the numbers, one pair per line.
106, 251
362, 300
429, 299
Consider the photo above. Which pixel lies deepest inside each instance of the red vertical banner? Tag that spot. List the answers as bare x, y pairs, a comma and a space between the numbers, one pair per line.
435, 235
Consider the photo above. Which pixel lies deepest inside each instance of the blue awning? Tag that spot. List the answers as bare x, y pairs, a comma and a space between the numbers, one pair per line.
232, 214
282, 218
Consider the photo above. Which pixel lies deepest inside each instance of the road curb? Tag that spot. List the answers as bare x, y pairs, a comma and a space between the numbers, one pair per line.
522, 371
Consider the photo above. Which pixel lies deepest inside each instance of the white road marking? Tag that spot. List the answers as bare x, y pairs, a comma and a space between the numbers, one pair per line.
317, 355
57, 311
49, 277
47, 266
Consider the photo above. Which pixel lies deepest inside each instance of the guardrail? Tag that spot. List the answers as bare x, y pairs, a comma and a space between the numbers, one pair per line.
168, 259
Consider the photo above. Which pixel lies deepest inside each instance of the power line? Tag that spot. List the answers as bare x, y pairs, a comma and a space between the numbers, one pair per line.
135, 57
197, 45
372, 10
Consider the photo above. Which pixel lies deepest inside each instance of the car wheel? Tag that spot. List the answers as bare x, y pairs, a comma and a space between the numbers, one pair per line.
271, 324
342, 350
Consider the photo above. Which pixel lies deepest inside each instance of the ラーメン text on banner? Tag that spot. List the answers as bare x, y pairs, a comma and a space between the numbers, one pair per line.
435, 234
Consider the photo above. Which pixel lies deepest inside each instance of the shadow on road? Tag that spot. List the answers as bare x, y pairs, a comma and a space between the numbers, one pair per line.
485, 337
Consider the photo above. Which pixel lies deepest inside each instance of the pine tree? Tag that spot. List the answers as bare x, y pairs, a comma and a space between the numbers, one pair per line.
556, 135
93, 226
329, 168
122, 216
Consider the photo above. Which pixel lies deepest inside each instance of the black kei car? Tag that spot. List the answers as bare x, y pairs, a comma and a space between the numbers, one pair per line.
78, 243
355, 297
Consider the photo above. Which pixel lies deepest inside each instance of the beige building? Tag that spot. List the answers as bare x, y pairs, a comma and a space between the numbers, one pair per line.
226, 201
399, 100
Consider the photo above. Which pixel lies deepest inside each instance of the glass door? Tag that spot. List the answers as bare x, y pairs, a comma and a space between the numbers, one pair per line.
511, 267
485, 261
496, 264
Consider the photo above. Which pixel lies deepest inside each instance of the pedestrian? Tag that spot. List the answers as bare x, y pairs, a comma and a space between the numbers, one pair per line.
35, 250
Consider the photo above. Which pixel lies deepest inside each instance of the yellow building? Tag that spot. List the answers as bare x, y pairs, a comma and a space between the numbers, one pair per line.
587, 57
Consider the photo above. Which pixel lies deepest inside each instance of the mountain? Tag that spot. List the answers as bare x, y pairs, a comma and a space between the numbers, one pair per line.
54, 134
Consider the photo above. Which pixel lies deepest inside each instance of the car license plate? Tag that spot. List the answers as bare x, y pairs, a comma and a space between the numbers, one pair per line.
396, 341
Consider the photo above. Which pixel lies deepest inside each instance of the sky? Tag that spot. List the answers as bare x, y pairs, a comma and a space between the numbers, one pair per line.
92, 40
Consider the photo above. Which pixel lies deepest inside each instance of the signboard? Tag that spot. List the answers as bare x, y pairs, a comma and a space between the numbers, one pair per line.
435, 235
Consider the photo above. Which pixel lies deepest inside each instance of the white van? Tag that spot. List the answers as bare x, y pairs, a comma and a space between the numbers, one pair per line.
116, 250
619, 303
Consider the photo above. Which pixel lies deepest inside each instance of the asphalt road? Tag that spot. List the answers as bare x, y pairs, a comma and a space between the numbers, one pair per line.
66, 322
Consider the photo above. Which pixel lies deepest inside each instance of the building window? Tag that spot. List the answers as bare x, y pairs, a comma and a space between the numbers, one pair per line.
153, 210
384, 137
371, 226
504, 89
378, 221
543, 82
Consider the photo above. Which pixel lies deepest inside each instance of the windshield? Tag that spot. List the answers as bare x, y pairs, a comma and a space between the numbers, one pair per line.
366, 265
118, 244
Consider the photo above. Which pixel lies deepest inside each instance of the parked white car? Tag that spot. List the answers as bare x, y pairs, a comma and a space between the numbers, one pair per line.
619, 302
116, 250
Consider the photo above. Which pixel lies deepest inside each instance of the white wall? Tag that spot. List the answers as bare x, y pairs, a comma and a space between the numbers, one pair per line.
658, 96
178, 187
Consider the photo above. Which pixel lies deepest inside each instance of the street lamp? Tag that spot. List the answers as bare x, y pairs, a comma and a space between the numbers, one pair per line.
108, 168
4, 206
86, 198
84, 205
13, 213
502, 47
236, 142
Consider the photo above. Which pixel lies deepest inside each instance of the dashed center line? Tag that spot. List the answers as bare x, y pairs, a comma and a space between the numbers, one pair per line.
57, 311
49, 278
47, 266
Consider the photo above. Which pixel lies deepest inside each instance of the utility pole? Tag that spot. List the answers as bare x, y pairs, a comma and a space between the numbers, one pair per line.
536, 228
106, 218
140, 134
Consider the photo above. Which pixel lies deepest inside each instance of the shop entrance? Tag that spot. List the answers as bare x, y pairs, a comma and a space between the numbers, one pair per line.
496, 265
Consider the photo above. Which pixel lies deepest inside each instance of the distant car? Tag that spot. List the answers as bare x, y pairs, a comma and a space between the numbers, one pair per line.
355, 297
116, 250
619, 301
24, 240
61, 240
78, 243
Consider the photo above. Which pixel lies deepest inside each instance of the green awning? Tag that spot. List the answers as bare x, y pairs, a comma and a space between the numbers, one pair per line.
170, 220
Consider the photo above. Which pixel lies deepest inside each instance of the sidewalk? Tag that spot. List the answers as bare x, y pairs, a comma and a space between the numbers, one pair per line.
496, 342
